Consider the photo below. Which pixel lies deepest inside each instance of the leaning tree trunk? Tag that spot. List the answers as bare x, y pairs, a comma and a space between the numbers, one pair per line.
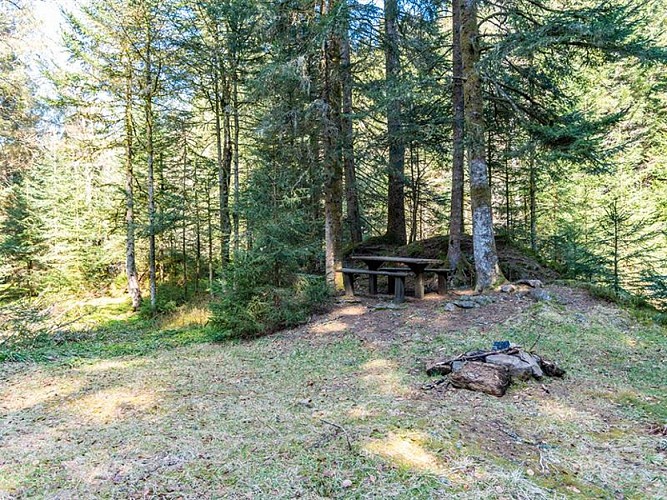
396, 198
333, 164
351, 192
130, 259
487, 271
458, 150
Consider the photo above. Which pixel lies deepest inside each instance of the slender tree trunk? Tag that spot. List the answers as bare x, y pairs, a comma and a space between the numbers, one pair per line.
351, 193
184, 248
221, 142
333, 164
458, 148
235, 105
532, 194
396, 172
148, 110
209, 224
487, 270
228, 155
197, 229
130, 259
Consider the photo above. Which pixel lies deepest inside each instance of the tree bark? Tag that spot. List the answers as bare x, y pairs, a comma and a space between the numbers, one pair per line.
130, 260
458, 148
333, 164
351, 193
487, 270
148, 113
396, 169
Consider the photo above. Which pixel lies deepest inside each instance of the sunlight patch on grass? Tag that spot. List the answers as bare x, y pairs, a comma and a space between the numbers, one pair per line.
381, 375
38, 391
409, 451
329, 327
110, 405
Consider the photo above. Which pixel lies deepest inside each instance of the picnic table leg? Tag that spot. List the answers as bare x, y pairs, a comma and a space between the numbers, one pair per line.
373, 279
348, 281
399, 295
442, 283
419, 284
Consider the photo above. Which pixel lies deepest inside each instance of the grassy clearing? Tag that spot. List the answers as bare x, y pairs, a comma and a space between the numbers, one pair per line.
106, 327
259, 419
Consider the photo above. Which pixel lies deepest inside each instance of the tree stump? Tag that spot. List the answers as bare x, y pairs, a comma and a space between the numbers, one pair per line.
483, 377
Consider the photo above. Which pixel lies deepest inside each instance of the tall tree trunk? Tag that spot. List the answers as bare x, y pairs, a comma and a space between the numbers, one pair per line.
197, 228
184, 248
396, 198
148, 111
351, 193
130, 259
458, 148
333, 164
532, 194
487, 270
221, 143
235, 210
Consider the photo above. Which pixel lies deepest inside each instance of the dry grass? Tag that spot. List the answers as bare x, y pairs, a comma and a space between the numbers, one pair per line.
250, 419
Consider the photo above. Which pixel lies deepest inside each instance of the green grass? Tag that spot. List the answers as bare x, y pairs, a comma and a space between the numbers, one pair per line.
271, 418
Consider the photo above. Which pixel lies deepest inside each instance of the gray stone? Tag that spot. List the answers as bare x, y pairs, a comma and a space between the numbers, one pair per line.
508, 289
466, 304
457, 365
540, 295
517, 368
530, 283
533, 362
449, 307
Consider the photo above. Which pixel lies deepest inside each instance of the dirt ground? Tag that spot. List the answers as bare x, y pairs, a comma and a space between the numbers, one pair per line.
338, 408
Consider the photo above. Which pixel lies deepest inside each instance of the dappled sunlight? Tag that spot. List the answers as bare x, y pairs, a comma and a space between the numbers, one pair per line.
112, 364
111, 405
565, 414
328, 327
107, 301
37, 391
352, 311
382, 376
409, 451
361, 413
187, 316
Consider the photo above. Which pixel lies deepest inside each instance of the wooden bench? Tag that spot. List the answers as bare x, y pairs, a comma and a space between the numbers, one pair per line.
398, 279
443, 277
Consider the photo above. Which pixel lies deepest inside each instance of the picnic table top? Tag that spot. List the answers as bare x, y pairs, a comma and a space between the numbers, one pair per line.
404, 260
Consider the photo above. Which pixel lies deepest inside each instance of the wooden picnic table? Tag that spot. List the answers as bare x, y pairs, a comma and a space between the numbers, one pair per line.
416, 265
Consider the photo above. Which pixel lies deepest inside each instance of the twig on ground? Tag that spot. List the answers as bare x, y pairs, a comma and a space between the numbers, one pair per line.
341, 428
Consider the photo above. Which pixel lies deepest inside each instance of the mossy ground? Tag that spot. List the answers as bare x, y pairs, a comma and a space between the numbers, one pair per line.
122, 417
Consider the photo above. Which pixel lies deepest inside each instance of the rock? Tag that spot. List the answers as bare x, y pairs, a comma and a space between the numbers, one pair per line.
346, 483
533, 362
508, 289
483, 377
530, 283
439, 368
516, 367
465, 304
449, 307
457, 365
540, 295
482, 300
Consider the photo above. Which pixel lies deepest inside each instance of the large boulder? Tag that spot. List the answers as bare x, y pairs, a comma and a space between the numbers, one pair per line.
483, 377
517, 368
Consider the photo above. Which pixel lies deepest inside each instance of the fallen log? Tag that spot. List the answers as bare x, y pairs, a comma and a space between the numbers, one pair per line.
444, 367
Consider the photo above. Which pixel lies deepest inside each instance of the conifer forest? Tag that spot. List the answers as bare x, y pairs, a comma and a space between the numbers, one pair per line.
227, 160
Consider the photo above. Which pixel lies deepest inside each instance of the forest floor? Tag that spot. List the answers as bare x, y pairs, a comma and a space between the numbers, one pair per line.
337, 408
